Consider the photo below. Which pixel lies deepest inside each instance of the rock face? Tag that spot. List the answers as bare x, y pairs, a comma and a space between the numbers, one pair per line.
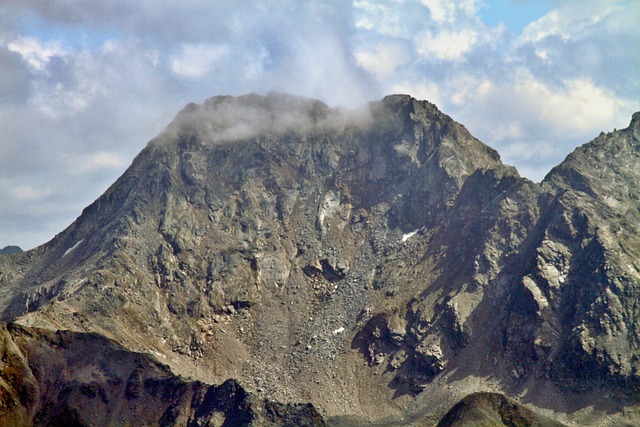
380, 264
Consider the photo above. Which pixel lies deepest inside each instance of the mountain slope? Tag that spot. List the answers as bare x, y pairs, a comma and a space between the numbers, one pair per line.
380, 263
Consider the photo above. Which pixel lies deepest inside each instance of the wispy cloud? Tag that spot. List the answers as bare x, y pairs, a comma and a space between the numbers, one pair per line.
196, 61
36, 54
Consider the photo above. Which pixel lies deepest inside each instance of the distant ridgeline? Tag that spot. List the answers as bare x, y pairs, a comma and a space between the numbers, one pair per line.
8, 250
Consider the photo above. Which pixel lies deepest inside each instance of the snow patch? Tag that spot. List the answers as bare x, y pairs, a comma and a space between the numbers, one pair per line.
338, 331
328, 208
72, 248
409, 235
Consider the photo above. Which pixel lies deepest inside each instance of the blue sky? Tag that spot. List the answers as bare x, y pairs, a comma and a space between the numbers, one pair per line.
85, 84
515, 14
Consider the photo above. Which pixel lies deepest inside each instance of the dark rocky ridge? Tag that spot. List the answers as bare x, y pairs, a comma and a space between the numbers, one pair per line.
73, 379
380, 264
9, 250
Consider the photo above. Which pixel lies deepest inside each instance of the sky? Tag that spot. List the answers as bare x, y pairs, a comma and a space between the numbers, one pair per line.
85, 84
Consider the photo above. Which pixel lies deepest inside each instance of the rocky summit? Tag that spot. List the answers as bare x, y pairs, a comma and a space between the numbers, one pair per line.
273, 261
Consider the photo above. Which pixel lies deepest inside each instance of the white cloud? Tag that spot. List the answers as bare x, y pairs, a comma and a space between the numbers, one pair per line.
69, 89
509, 131
573, 105
580, 105
29, 193
383, 59
441, 10
398, 21
194, 61
93, 162
35, 53
449, 11
534, 124
61, 100
568, 21
255, 63
529, 151
546, 26
446, 45
465, 89
378, 17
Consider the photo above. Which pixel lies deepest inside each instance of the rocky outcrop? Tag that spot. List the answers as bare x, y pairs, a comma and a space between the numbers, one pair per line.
380, 263
492, 409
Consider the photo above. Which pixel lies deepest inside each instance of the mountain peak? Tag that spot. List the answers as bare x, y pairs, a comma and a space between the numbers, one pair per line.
228, 118
224, 119
604, 166
314, 254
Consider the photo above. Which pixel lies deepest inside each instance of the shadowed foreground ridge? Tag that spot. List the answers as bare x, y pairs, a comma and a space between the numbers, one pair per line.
73, 379
378, 264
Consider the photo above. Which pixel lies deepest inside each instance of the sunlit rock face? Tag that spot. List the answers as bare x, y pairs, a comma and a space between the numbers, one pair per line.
379, 263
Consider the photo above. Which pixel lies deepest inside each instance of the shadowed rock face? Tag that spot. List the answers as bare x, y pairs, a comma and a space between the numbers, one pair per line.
74, 379
381, 264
